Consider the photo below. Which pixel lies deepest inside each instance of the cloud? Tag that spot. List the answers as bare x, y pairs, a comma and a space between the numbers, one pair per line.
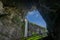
31, 12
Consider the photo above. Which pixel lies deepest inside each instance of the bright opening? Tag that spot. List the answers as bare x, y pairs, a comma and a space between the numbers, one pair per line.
35, 17
36, 25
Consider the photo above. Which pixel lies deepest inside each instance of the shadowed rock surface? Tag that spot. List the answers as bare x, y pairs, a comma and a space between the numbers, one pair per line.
10, 20
49, 10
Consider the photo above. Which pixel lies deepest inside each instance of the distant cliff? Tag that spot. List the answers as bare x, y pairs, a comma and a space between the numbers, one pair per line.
34, 29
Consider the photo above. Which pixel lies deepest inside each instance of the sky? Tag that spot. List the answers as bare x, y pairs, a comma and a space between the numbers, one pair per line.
36, 18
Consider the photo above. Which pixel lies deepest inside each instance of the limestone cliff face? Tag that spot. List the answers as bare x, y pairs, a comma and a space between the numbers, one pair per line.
10, 24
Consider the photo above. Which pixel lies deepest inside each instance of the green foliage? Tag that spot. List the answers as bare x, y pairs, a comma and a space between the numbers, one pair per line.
34, 37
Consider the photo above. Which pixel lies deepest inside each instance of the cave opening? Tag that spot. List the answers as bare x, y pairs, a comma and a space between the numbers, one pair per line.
36, 24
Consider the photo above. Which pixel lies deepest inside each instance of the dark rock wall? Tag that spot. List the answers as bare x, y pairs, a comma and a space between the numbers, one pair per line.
10, 25
49, 10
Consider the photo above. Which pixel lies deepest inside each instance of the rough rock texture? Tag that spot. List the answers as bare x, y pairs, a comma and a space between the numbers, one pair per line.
1, 8
50, 11
10, 24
